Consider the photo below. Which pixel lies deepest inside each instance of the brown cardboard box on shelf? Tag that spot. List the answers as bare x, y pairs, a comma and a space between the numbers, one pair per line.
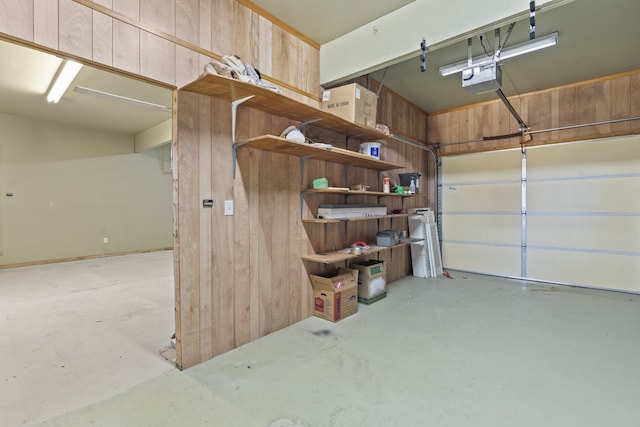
372, 279
352, 102
335, 294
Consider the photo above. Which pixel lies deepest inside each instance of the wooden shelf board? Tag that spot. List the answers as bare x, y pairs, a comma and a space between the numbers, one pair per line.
276, 144
360, 218
354, 192
278, 104
337, 256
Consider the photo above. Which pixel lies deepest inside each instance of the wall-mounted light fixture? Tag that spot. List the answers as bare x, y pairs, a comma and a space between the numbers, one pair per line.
69, 71
515, 50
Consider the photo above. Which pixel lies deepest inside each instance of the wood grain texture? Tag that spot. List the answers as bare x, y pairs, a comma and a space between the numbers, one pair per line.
205, 179
600, 100
102, 43
76, 29
17, 18
129, 8
126, 47
187, 19
45, 23
159, 14
157, 58
188, 233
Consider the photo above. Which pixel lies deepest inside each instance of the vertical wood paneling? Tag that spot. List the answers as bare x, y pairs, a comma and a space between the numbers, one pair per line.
620, 103
603, 106
222, 26
223, 234
586, 103
160, 14
76, 29
241, 244
45, 22
255, 270
265, 34
17, 18
635, 101
555, 114
204, 30
567, 112
242, 31
585, 108
280, 54
254, 39
102, 38
187, 19
188, 233
205, 166
129, 8
157, 58
187, 65
126, 47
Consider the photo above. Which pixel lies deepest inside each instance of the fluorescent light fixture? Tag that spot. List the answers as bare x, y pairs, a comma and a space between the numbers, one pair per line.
62, 82
515, 50
114, 97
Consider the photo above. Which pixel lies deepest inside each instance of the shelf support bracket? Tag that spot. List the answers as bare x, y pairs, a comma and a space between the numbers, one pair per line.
234, 154
308, 122
302, 160
234, 112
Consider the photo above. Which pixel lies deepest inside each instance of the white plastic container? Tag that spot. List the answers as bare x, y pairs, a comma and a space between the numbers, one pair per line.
371, 149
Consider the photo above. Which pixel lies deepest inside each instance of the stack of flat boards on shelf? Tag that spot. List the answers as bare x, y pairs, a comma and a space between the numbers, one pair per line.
425, 254
350, 211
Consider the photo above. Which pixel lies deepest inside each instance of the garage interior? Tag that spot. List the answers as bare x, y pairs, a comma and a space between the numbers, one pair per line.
110, 243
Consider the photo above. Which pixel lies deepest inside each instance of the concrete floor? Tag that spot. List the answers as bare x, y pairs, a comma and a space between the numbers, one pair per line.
468, 351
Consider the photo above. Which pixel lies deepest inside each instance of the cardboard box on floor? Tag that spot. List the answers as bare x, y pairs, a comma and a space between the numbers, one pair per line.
372, 278
335, 294
352, 102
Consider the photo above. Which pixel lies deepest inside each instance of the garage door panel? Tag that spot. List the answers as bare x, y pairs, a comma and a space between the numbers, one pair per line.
597, 157
586, 269
585, 232
589, 195
481, 167
482, 198
483, 228
482, 258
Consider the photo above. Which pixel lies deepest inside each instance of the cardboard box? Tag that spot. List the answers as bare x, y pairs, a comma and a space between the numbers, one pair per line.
335, 294
352, 102
372, 278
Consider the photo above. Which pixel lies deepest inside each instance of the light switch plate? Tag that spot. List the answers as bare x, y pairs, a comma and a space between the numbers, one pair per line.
228, 207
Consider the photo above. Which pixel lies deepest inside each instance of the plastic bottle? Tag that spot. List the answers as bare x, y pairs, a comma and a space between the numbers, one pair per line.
386, 185
412, 186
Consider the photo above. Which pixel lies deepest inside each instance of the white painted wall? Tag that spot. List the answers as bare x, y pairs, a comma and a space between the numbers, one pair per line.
74, 186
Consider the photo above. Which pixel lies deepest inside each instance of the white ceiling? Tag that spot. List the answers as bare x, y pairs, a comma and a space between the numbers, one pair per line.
596, 38
323, 21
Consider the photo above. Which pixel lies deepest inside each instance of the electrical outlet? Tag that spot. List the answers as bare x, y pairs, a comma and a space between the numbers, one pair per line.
105, 240
228, 207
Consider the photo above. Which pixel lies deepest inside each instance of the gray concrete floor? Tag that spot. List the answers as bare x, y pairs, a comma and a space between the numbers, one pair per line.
468, 351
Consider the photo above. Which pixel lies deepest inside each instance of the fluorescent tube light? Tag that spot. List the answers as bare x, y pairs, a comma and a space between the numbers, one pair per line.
114, 97
62, 82
515, 50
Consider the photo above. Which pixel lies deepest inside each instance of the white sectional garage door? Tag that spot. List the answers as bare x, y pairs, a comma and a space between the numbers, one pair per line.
582, 220
481, 212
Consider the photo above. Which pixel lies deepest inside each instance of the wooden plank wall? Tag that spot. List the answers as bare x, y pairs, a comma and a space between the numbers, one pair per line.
608, 98
237, 277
